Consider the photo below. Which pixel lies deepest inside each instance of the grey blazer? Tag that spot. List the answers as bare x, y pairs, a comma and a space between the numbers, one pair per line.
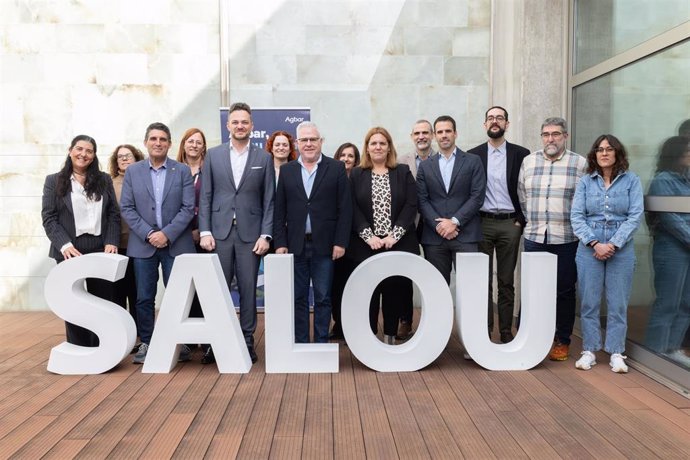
250, 201
463, 200
410, 159
138, 204
58, 217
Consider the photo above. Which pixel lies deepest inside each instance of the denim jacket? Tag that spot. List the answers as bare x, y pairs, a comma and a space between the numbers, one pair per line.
608, 215
669, 183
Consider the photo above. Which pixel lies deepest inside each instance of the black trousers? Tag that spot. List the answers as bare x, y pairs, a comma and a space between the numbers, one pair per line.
87, 244
392, 295
125, 291
342, 270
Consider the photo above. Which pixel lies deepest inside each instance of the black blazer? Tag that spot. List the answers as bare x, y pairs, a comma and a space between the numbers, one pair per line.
58, 217
514, 156
329, 207
403, 210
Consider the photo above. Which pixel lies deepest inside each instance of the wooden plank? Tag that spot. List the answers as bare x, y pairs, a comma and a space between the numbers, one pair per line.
199, 435
68, 417
540, 419
663, 408
293, 409
228, 437
117, 427
66, 448
413, 404
665, 393
666, 428
456, 370
612, 421
458, 421
21, 436
318, 425
147, 428
378, 437
348, 442
259, 435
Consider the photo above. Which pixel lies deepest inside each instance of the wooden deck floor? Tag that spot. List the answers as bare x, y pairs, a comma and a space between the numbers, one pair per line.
452, 409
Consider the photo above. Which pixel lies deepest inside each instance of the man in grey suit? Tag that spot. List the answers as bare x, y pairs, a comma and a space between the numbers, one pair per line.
236, 213
422, 135
450, 189
158, 204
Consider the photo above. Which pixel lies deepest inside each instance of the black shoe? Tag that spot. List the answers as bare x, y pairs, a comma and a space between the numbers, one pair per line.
135, 349
252, 355
506, 337
209, 357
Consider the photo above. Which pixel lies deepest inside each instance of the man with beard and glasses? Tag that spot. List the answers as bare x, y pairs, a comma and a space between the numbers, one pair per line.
422, 135
546, 187
502, 217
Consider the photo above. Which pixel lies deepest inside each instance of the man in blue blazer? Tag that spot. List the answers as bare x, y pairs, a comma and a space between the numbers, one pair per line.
236, 213
450, 189
158, 204
501, 215
313, 221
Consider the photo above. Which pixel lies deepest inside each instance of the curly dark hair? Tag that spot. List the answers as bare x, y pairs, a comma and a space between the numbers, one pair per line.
112, 162
621, 165
673, 149
95, 184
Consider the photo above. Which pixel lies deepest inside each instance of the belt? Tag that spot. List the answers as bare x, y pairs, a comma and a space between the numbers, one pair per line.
504, 216
307, 237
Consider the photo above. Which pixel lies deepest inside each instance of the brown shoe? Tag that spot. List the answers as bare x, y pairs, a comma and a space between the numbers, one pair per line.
404, 330
559, 352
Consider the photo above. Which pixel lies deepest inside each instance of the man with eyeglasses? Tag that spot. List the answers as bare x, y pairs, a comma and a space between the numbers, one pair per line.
236, 213
422, 135
313, 221
502, 217
546, 187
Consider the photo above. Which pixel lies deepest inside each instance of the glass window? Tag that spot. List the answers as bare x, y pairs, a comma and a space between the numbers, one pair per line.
605, 28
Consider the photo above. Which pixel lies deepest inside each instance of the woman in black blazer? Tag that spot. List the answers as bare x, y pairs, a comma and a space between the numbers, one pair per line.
74, 201
384, 210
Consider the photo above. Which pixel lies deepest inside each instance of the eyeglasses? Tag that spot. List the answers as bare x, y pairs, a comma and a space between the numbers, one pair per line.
555, 135
124, 156
498, 118
307, 140
605, 149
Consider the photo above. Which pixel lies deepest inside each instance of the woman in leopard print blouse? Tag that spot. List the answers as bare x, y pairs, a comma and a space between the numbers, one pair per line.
385, 206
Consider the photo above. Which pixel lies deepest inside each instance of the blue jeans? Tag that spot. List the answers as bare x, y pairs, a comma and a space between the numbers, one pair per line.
612, 277
566, 277
319, 269
670, 315
146, 274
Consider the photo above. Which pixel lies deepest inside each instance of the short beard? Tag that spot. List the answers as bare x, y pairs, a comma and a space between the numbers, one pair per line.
495, 134
551, 152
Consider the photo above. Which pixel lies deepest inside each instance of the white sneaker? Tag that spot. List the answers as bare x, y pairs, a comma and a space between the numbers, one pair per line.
586, 361
679, 356
617, 364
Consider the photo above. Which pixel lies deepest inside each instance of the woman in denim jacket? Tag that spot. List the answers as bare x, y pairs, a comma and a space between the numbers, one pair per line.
670, 315
606, 212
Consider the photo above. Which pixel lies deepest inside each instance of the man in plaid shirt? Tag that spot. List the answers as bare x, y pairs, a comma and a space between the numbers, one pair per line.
546, 187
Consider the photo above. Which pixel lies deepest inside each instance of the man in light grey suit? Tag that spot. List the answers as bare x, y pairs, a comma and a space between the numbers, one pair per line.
450, 189
236, 213
158, 204
422, 135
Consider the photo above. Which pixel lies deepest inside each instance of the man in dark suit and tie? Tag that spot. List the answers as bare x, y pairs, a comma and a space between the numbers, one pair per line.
236, 213
313, 221
158, 204
450, 189
501, 215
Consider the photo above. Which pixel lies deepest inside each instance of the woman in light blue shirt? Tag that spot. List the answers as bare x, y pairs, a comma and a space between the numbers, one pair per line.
606, 211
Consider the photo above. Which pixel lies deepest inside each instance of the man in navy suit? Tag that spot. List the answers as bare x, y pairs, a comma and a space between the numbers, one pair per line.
501, 215
236, 213
313, 221
158, 204
450, 189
